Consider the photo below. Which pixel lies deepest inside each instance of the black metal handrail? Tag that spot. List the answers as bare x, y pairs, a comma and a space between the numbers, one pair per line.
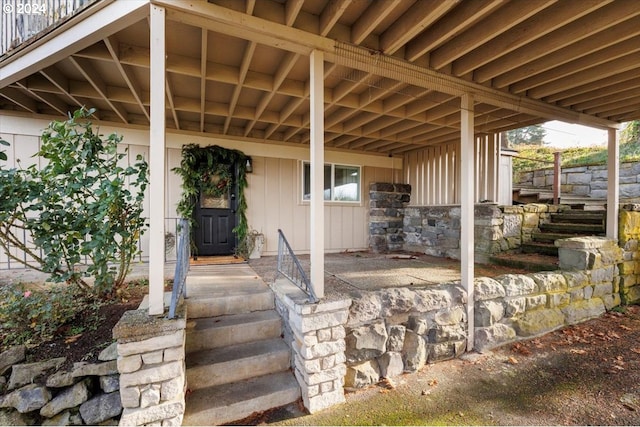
289, 266
182, 267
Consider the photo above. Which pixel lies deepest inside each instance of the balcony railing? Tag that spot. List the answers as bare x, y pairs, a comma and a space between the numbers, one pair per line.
24, 20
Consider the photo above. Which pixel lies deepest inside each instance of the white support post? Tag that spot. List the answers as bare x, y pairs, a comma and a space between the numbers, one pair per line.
157, 161
613, 176
316, 70
467, 186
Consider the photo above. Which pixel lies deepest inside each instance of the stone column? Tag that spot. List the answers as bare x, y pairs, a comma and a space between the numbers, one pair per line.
386, 214
629, 241
152, 368
315, 333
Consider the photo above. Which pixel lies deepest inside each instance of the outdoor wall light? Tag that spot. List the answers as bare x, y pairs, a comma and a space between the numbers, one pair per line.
248, 167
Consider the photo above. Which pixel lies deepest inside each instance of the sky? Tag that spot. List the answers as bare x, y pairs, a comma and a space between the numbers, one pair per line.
564, 135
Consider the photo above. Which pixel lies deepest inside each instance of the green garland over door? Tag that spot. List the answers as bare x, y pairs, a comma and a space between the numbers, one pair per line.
197, 167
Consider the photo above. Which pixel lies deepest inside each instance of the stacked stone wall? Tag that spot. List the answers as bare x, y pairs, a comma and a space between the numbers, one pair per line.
629, 241
386, 205
435, 230
590, 181
397, 330
315, 334
43, 393
515, 306
151, 362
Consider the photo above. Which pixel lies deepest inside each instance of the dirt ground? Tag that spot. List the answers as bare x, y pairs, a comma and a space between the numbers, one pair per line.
587, 374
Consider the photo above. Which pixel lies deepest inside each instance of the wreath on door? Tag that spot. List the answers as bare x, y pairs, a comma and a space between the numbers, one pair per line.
208, 170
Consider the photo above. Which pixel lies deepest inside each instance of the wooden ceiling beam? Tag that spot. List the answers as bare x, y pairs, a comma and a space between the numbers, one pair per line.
547, 20
330, 15
92, 76
601, 40
19, 98
570, 34
466, 14
62, 83
413, 23
170, 102
370, 19
291, 11
599, 57
592, 99
496, 23
127, 75
51, 100
244, 68
583, 92
585, 76
602, 104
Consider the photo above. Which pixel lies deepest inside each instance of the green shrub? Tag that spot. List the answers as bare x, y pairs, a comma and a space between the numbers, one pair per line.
32, 316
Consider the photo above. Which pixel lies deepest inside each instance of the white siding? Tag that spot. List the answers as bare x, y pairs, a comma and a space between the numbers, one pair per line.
274, 194
434, 172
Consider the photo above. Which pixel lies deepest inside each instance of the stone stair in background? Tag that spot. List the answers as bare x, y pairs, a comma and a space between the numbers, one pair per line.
237, 362
541, 253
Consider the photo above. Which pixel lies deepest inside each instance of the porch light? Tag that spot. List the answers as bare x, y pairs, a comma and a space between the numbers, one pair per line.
248, 167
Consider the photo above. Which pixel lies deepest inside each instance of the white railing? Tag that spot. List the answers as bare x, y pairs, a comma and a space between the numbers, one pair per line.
23, 20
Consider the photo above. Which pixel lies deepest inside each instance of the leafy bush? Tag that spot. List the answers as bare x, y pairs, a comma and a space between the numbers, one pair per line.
28, 317
76, 207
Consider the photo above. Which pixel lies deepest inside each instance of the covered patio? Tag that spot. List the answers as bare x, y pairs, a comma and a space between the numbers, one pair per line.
409, 92
428, 84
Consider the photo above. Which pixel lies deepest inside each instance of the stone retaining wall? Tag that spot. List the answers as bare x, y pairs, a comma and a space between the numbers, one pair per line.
590, 181
396, 330
315, 333
435, 230
516, 306
41, 393
151, 362
629, 241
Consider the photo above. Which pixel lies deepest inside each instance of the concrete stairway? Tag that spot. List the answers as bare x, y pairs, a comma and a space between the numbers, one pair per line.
237, 362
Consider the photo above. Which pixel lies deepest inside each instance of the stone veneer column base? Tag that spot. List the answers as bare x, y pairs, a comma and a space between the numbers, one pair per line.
315, 333
152, 368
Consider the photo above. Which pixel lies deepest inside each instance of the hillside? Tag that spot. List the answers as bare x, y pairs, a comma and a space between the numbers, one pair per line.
575, 156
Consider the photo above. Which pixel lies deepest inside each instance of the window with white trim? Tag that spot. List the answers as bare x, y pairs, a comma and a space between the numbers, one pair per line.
341, 182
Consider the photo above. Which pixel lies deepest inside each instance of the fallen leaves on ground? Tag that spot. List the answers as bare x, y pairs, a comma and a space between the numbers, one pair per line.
512, 361
433, 382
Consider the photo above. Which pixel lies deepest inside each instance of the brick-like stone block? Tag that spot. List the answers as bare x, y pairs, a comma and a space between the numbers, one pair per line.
130, 397
487, 288
583, 310
173, 353
161, 342
493, 336
144, 416
362, 374
537, 322
517, 284
152, 357
155, 374
127, 364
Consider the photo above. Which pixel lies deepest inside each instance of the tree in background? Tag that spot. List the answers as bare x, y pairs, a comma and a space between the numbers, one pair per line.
631, 132
530, 135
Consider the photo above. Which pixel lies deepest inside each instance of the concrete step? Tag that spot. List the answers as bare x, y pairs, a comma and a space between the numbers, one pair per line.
216, 332
566, 227
218, 366
230, 402
235, 301
543, 248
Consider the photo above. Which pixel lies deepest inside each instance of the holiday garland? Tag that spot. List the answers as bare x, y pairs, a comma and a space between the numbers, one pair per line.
209, 170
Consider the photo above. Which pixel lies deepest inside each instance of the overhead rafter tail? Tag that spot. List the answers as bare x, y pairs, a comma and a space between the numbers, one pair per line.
50, 99
112, 45
92, 76
19, 98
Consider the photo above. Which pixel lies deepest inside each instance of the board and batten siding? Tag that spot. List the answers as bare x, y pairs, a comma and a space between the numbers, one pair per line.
274, 194
434, 172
